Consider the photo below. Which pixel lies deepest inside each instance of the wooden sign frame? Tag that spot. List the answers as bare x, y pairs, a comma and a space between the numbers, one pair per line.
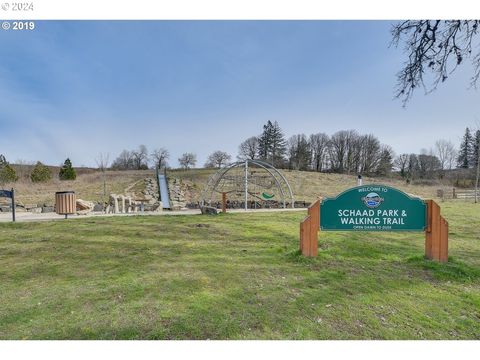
436, 232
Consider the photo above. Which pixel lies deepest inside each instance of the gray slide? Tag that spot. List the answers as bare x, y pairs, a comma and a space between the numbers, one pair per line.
163, 187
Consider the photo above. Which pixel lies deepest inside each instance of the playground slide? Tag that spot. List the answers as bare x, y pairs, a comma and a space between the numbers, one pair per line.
163, 186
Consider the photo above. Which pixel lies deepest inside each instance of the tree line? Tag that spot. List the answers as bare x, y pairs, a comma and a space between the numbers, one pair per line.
141, 159
344, 152
349, 152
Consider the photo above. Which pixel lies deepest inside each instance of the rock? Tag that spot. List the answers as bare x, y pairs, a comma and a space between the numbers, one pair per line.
157, 207
48, 209
98, 207
84, 207
36, 210
5, 208
148, 207
208, 210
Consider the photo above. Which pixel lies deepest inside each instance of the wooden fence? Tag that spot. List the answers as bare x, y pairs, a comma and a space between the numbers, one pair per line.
453, 193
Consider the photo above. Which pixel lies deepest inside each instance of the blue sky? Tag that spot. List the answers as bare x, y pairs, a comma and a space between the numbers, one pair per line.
78, 88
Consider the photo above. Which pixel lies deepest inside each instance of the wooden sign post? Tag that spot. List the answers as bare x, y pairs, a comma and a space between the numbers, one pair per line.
436, 234
309, 228
376, 208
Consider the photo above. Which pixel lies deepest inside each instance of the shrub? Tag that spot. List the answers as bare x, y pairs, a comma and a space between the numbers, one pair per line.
67, 172
40, 173
7, 173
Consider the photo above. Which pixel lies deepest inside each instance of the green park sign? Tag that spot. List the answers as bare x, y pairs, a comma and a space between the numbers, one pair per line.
373, 208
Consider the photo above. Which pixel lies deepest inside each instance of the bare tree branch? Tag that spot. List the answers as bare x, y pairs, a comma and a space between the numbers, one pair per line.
435, 48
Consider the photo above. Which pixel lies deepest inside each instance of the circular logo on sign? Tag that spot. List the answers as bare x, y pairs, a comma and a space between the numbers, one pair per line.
372, 200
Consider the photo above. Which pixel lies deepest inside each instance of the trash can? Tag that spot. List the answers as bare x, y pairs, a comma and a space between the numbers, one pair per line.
65, 203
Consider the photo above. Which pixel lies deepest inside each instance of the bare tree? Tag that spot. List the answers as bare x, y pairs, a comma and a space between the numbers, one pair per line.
124, 161
338, 150
298, 152
160, 157
446, 153
413, 167
428, 164
369, 154
435, 46
343, 151
187, 160
319, 147
248, 149
401, 163
140, 158
23, 168
217, 159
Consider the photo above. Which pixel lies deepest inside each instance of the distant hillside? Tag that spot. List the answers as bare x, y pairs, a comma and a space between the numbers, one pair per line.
89, 184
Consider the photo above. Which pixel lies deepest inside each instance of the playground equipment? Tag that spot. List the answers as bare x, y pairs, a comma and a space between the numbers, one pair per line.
121, 204
163, 189
254, 183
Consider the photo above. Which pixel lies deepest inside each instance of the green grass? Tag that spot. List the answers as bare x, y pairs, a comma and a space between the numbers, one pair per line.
234, 276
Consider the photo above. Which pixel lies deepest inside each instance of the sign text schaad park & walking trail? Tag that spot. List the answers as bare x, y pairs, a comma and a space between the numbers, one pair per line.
373, 208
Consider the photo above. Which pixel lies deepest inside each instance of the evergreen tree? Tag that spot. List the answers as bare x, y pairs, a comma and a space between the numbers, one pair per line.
475, 149
265, 141
67, 172
272, 145
279, 146
40, 173
465, 152
385, 163
7, 173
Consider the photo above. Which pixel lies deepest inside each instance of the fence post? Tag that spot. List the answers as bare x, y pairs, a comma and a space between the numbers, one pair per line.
443, 240
224, 202
13, 205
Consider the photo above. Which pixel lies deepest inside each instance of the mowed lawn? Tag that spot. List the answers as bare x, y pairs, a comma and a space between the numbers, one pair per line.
234, 276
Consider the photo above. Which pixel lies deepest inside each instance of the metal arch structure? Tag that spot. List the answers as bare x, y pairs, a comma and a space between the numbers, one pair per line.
242, 183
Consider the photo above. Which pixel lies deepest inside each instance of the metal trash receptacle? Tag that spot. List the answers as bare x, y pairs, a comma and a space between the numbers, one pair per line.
65, 203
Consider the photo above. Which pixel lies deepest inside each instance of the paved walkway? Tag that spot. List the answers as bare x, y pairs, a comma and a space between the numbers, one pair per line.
27, 216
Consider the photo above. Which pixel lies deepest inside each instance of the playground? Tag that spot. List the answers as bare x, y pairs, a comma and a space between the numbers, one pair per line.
234, 276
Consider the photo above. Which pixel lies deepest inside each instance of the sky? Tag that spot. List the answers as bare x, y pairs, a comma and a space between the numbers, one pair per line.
79, 88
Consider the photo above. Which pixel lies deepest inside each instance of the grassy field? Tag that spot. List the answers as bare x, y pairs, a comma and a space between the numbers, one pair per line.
234, 276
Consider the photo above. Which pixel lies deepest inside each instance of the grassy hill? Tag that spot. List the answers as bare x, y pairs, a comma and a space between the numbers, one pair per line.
308, 185
89, 184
